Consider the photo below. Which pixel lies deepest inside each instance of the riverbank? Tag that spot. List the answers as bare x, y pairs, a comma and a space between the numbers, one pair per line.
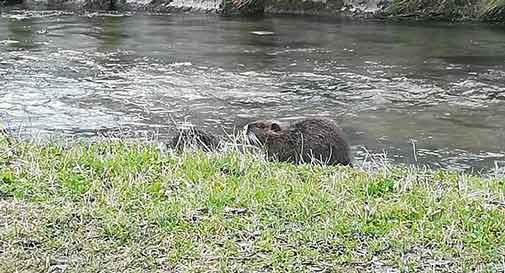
452, 10
127, 207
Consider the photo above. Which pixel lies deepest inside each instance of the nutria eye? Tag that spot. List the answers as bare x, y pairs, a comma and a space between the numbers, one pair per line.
275, 127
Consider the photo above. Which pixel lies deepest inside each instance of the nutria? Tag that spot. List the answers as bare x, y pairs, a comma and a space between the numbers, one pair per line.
195, 138
308, 140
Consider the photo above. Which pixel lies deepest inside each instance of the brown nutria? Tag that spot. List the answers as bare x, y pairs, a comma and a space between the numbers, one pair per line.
195, 138
309, 140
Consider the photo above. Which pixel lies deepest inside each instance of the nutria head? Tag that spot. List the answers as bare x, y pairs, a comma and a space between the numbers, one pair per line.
261, 131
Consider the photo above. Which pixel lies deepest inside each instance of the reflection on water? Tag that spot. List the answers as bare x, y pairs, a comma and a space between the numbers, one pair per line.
439, 86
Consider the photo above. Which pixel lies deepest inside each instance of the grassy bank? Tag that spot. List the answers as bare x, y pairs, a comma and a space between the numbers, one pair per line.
488, 10
124, 207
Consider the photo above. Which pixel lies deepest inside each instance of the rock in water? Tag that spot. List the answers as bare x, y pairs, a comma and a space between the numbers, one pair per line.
194, 138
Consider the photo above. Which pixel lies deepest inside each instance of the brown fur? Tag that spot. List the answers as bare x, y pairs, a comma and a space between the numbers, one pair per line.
311, 140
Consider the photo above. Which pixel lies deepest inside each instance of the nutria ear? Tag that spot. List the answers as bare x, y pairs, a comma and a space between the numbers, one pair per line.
275, 127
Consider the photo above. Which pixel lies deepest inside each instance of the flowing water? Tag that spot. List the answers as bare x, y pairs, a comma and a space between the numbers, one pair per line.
438, 88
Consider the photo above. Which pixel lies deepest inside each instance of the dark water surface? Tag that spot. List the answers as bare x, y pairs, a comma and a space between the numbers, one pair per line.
388, 84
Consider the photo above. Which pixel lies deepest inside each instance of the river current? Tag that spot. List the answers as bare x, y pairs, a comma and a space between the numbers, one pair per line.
422, 93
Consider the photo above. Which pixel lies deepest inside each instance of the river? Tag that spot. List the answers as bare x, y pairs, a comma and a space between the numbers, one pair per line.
434, 88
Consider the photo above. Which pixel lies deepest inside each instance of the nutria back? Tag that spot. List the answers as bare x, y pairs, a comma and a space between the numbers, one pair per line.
311, 140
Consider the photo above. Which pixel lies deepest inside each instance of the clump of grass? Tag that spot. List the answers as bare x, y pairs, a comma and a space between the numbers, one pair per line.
125, 206
449, 9
494, 10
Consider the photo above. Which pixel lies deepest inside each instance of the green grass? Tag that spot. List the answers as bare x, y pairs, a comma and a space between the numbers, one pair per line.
119, 206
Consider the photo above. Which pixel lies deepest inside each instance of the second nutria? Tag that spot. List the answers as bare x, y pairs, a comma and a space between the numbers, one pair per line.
309, 140
194, 138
